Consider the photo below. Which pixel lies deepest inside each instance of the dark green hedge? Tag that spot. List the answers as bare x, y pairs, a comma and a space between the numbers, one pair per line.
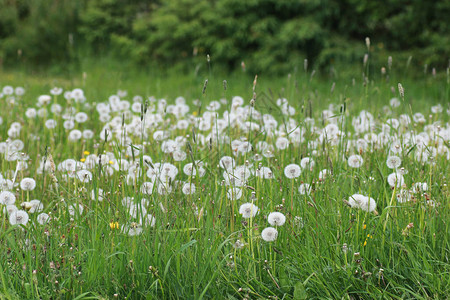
275, 35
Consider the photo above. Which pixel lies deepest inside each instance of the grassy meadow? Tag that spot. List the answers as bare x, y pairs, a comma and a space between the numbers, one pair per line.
139, 185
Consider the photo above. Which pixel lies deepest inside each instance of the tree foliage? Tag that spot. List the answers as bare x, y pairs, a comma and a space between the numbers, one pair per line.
275, 35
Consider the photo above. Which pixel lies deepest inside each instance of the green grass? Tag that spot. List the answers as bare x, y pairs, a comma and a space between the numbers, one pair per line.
189, 253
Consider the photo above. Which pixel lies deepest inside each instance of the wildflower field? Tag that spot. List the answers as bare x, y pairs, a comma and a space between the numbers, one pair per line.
222, 188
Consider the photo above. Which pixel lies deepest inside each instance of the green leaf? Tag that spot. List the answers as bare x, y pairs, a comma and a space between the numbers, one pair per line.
300, 291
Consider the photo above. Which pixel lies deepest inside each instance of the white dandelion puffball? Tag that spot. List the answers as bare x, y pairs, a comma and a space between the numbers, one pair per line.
248, 210
73, 209
395, 179
368, 204
7, 198
100, 195
269, 234
8, 90
132, 230
81, 117
432, 203
136, 210
44, 100
419, 187
127, 201
43, 218
355, 161
27, 184
164, 189
323, 174
20, 91
147, 188
234, 193
189, 169
307, 163
75, 135
304, 189
276, 219
355, 200
84, 176
88, 134
9, 209
179, 155
394, 102
26, 205
31, 113
148, 220
36, 206
264, 172
292, 171
298, 221
282, 143
238, 244
362, 202
437, 109
19, 217
404, 196
188, 189
50, 124
393, 162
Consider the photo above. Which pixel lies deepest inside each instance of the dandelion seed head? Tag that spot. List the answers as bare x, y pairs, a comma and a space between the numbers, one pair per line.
395, 179
393, 162
7, 198
269, 234
248, 210
355, 161
27, 184
19, 217
292, 171
276, 219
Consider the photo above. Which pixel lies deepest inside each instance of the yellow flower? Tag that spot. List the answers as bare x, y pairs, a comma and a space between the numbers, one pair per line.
111, 162
83, 159
365, 226
86, 153
365, 243
114, 225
